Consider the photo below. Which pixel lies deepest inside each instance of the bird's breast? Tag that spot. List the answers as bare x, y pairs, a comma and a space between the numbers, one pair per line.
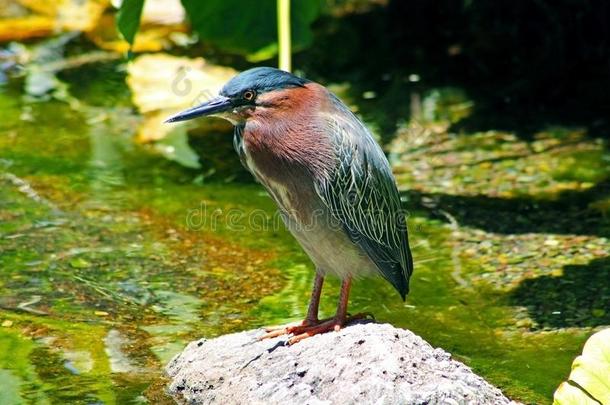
289, 183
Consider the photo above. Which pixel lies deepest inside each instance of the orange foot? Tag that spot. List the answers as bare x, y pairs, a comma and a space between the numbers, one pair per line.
307, 328
289, 329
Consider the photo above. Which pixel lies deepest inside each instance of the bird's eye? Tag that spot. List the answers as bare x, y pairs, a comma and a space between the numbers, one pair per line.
249, 95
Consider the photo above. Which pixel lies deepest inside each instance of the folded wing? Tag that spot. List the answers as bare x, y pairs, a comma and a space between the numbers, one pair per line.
361, 193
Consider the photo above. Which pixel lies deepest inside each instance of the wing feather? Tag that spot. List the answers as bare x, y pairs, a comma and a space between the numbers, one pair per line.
361, 193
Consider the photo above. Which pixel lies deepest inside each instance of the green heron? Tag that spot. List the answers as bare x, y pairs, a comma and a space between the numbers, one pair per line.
328, 176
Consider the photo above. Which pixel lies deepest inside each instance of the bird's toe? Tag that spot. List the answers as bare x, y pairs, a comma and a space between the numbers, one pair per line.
293, 328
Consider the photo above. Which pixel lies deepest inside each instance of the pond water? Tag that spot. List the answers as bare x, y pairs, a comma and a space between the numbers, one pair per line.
113, 258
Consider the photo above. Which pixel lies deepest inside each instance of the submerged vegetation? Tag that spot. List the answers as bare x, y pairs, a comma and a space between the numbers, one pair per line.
121, 240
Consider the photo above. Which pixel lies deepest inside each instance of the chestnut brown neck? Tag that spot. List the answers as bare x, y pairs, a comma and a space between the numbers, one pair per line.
286, 133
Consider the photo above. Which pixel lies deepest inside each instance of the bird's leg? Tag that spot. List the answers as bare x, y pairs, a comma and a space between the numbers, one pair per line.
312, 312
314, 301
335, 323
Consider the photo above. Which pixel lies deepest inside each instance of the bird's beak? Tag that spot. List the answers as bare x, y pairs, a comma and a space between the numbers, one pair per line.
214, 106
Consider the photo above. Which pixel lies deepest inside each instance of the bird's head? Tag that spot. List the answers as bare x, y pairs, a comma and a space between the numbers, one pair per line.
258, 88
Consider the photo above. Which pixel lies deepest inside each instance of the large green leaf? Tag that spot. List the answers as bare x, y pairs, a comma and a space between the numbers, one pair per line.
250, 27
589, 380
128, 18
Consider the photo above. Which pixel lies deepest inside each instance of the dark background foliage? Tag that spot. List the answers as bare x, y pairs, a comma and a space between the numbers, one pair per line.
528, 61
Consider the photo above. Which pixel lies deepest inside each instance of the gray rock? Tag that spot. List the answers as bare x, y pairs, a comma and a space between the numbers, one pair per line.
366, 363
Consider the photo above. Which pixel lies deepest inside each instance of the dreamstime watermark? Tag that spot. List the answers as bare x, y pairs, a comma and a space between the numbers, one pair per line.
204, 218
182, 86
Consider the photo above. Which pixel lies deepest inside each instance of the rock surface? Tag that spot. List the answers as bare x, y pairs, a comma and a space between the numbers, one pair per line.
362, 364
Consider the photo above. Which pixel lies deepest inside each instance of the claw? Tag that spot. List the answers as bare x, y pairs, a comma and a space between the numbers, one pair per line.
288, 329
273, 333
323, 327
305, 329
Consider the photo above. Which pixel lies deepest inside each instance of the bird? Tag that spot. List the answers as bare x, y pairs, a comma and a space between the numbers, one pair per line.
330, 179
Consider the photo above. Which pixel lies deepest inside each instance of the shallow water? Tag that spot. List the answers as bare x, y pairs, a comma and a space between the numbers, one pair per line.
113, 258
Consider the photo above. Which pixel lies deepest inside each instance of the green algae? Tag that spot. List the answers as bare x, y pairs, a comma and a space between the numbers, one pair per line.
20, 382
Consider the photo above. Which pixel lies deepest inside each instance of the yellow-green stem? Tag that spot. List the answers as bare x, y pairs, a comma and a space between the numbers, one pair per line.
283, 31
